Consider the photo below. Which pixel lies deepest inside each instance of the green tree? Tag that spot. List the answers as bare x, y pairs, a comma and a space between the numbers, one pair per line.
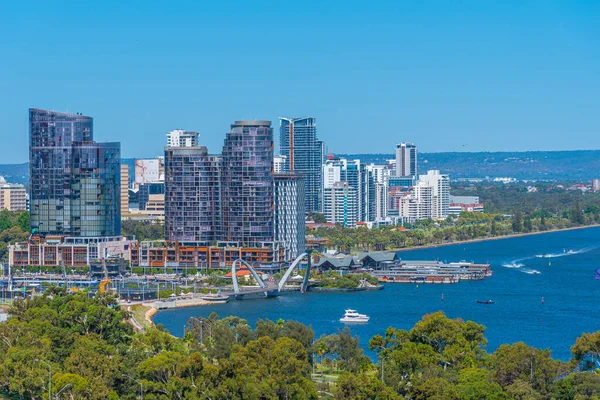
517, 222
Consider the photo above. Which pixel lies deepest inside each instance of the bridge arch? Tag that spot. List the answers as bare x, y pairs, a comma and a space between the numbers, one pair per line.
291, 268
236, 287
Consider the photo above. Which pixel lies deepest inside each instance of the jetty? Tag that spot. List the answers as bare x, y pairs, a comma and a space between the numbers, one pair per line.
434, 272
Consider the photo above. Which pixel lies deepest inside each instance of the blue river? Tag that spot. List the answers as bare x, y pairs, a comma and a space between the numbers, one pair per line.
566, 283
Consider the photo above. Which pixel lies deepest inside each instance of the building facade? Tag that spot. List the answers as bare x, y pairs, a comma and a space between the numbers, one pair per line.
406, 160
279, 164
247, 183
192, 194
304, 156
440, 185
13, 197
182, 138
124, 189
74, 181
290, 228
340, 204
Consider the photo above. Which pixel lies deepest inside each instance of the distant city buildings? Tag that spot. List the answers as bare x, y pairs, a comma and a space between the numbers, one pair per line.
596, 185
289, 212
124, 189
406, 160
279, 164
303, 153
181, 138
13, 197
74, 181
340, 205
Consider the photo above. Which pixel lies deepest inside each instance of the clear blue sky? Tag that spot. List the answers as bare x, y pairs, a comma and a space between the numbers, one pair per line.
489, 75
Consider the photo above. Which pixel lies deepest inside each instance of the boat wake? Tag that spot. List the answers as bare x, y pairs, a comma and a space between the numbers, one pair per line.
513, 264
565, 253
530, 271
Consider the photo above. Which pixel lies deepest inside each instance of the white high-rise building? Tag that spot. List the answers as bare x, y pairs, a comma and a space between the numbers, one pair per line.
381, 175
406, 159
332, 173
440, 184
340, 204
289, 211
279, 164
181, 138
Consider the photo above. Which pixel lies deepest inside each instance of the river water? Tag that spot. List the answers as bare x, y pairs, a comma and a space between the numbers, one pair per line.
565, 282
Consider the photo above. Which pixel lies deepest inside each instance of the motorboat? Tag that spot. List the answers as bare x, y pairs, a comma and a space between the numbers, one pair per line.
215, 298
351, 316
485, 301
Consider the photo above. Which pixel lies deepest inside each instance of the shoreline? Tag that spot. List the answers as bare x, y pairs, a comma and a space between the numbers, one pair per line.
154, 310
485, 239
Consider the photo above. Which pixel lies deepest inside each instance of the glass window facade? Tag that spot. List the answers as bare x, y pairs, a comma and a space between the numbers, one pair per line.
247, 183
74, 182
192, 191
303, 152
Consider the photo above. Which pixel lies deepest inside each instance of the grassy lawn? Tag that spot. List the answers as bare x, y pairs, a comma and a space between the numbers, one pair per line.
139, 313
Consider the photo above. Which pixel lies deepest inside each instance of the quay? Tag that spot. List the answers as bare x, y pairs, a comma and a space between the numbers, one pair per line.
433, 272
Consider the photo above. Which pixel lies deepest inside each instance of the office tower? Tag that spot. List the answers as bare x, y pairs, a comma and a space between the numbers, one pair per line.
289, 213
304, 153
340, 204
13, 196
124, 189
440, 185
406, 160
191, 200
181, 138
247, 183
596, 185
74, 181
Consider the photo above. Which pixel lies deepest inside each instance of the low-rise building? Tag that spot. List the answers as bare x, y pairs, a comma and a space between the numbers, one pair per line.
456, 208
67, 251
182, 255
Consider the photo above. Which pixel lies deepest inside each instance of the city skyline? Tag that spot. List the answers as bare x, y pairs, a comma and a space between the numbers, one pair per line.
472, 76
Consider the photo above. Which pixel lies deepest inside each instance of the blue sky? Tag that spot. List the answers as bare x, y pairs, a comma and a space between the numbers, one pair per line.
447, 75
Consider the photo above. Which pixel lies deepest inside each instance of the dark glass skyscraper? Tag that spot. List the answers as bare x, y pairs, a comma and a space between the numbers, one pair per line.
74, 181
247, 183
304, 156
192, 194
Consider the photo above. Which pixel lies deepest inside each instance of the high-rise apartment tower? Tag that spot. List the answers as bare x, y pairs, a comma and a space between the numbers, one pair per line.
74, 181
247, 183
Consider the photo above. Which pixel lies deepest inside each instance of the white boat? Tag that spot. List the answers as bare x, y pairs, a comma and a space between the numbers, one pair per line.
351, 316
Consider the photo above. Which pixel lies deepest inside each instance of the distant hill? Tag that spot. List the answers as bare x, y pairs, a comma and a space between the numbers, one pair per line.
15, 173
581, 165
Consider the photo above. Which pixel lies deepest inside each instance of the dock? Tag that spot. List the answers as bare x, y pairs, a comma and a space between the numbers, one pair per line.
433, 272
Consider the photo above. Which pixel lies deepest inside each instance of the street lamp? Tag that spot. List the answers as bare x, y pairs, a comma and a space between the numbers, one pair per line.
63, 388
49, 377
139, 383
